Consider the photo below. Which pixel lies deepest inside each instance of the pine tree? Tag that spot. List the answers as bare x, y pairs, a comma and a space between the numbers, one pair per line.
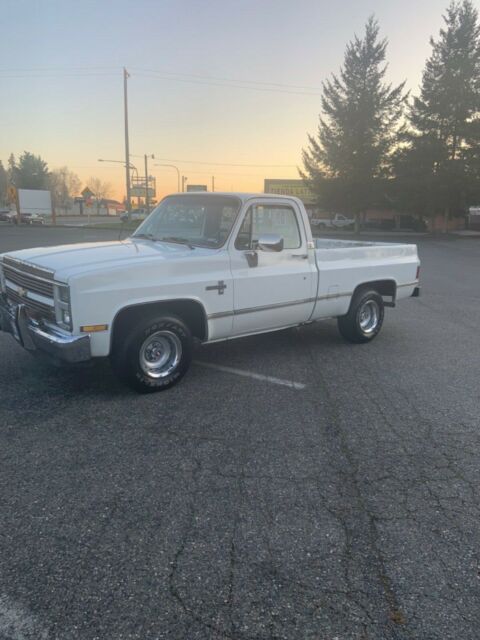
30, 172
346, 161
441, 162
3, 184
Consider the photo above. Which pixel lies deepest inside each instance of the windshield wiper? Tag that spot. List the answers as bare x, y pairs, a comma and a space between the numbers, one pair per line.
147, 236
177, 240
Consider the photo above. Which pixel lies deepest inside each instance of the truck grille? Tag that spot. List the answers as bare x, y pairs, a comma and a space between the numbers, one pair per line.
38, 309
29, 279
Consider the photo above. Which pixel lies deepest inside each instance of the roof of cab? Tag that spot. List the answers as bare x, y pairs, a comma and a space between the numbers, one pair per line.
238, 194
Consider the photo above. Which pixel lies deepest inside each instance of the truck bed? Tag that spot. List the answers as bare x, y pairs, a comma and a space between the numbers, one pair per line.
344, 265
326, 250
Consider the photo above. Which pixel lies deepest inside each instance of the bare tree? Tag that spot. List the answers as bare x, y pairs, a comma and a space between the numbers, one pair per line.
64, 185
100, 189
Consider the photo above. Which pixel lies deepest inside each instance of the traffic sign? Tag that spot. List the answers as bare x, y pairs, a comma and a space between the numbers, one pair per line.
12, 194
87, 193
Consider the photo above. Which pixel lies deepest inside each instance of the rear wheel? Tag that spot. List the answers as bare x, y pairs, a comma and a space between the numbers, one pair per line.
155, 355
364, 318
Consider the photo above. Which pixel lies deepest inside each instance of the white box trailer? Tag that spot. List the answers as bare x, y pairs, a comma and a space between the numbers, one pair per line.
35, 202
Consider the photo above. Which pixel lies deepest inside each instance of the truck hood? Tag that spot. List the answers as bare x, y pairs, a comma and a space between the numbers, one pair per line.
74, 259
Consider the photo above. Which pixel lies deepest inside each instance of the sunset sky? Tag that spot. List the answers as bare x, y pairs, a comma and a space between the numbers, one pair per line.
226, 82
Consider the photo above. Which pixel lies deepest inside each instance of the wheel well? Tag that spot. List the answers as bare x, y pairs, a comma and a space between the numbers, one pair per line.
386, 288
190, 311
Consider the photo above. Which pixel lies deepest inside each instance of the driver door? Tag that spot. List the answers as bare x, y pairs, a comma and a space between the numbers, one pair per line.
272, 289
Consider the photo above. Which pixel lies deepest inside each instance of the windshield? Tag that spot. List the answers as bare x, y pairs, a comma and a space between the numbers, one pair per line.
193, 219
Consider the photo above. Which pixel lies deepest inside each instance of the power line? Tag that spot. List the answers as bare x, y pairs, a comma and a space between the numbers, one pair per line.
61, 68
57, 75
226, 85
260, 176
88, 71
230, 80
232, 164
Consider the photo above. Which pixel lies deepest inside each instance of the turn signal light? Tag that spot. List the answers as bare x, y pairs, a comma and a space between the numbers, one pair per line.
93, 328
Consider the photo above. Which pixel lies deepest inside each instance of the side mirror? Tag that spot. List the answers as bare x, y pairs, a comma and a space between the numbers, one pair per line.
270, 242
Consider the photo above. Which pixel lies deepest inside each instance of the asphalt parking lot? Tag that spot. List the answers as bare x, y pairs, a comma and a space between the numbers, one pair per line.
238, 508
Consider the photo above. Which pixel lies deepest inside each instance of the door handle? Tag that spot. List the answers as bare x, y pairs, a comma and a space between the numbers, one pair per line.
300, 256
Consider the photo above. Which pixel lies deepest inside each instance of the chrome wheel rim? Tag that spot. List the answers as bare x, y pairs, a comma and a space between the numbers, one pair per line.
160, 354
368, 316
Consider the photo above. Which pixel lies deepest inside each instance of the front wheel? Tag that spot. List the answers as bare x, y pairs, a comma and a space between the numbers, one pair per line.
364, 318
155, 355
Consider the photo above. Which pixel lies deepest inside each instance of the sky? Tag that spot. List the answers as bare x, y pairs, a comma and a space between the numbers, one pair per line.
224, 88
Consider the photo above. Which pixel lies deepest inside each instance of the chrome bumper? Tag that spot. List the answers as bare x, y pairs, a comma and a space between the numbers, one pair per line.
42, 337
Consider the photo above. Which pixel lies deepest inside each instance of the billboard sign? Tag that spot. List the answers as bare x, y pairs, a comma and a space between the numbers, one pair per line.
137, 190
287, 187
35, 201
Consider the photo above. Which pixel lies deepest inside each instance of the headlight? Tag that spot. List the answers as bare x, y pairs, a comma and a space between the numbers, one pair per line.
63, 312
64, 294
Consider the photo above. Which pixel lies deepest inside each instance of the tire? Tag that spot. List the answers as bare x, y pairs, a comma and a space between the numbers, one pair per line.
154, 355
364, 318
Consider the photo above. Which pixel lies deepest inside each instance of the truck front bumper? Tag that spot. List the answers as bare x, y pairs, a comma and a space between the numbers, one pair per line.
41, 337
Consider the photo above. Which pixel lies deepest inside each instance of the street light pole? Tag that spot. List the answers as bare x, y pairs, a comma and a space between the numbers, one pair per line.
172, 166
128, 167
127, 147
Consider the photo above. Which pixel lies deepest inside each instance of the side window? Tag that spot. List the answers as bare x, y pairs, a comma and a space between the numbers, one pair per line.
243, 241
262, 219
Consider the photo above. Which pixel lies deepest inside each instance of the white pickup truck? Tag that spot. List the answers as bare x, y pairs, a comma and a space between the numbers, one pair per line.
205, 266
338, 221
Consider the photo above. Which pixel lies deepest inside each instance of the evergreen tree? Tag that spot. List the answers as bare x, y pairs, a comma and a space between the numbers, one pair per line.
439, 168
30, 172
3, 184
351, 153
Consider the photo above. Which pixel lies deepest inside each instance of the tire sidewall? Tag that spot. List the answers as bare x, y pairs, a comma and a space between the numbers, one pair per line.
134, 374
357, 307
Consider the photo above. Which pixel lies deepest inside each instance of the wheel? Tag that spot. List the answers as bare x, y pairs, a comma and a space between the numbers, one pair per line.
364, 318
154, 355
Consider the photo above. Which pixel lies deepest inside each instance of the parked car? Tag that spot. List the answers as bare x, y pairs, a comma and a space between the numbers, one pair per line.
205, 266
6, 215
338, 221
136, 214
29, 218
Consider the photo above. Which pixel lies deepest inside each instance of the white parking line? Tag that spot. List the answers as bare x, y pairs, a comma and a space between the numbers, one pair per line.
250, 374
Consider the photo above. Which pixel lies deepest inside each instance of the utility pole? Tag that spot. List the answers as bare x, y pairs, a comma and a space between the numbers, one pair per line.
213, 183
184, 180
127, 147
147, 195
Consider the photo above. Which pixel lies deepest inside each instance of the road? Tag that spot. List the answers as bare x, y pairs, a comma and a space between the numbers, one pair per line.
343, 507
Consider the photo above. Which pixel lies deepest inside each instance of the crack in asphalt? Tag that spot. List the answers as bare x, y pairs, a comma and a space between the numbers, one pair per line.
396, 615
